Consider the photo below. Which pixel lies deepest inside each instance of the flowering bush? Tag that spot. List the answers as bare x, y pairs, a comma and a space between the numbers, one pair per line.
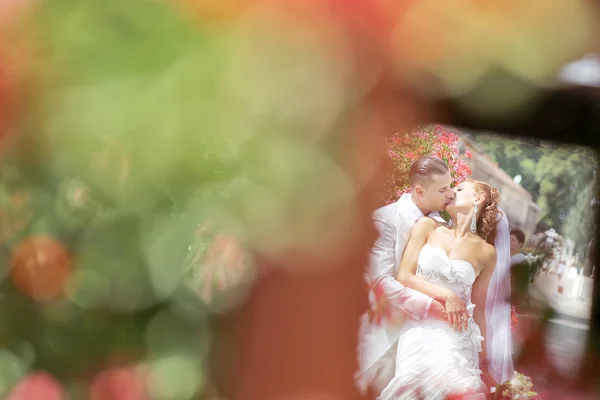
403, 149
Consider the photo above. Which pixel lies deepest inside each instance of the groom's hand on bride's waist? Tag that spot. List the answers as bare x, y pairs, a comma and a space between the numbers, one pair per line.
438, 311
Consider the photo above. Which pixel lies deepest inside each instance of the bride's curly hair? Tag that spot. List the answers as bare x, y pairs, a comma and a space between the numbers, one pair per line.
489, 215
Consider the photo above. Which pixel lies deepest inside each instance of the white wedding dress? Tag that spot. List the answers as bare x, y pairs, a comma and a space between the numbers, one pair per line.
432, 360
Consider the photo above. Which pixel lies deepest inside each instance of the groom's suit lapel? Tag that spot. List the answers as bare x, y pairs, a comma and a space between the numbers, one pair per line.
408, 215
408, 210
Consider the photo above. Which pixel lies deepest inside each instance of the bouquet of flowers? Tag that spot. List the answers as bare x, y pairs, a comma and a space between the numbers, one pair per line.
538, 257
403, 149
520, 387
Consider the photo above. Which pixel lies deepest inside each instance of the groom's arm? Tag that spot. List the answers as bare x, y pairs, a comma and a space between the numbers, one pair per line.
383, 259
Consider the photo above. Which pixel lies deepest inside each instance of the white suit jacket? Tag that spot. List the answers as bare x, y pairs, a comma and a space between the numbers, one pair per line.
377, 342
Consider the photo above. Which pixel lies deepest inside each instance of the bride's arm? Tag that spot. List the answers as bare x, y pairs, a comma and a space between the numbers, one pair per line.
478, 297
407, 274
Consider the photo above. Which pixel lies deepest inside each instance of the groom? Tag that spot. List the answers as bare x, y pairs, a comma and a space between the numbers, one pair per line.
430, 191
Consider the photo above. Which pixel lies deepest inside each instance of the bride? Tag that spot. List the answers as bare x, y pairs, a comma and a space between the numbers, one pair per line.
452, 263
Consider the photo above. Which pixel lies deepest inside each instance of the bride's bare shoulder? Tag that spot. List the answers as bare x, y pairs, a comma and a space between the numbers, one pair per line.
488, 253
426, 224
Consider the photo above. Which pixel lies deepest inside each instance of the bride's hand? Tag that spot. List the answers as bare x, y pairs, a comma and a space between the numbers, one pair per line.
457, 312
438, 311
486, 377
490, 382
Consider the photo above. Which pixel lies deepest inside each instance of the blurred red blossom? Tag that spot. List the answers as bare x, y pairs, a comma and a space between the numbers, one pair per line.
40, 267
122, 383
403, 149
40, 385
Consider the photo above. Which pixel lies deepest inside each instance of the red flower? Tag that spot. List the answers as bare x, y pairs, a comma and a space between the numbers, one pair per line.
124, 383
399, 140
39, 385
403, 149
40, 267
468, 154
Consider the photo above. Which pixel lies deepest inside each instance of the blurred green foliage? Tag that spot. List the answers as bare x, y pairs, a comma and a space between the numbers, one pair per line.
561, 178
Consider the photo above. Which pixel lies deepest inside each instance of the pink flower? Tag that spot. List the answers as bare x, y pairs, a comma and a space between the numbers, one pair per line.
399, 140
436, 141
123, 383
422, 135
37, 386
411, 156
468, 154
399, 193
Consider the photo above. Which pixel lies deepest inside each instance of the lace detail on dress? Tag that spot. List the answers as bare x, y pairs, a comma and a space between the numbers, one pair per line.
454, 281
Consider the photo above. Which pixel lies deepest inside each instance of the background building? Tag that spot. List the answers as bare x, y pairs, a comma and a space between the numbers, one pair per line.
515, 201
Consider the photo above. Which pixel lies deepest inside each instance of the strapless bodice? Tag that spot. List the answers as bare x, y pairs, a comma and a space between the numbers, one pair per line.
456, 275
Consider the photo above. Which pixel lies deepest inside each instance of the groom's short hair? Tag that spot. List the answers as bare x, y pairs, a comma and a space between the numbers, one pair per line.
424, 168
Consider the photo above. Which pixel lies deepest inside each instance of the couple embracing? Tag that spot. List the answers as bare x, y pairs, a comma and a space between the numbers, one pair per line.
439, 320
